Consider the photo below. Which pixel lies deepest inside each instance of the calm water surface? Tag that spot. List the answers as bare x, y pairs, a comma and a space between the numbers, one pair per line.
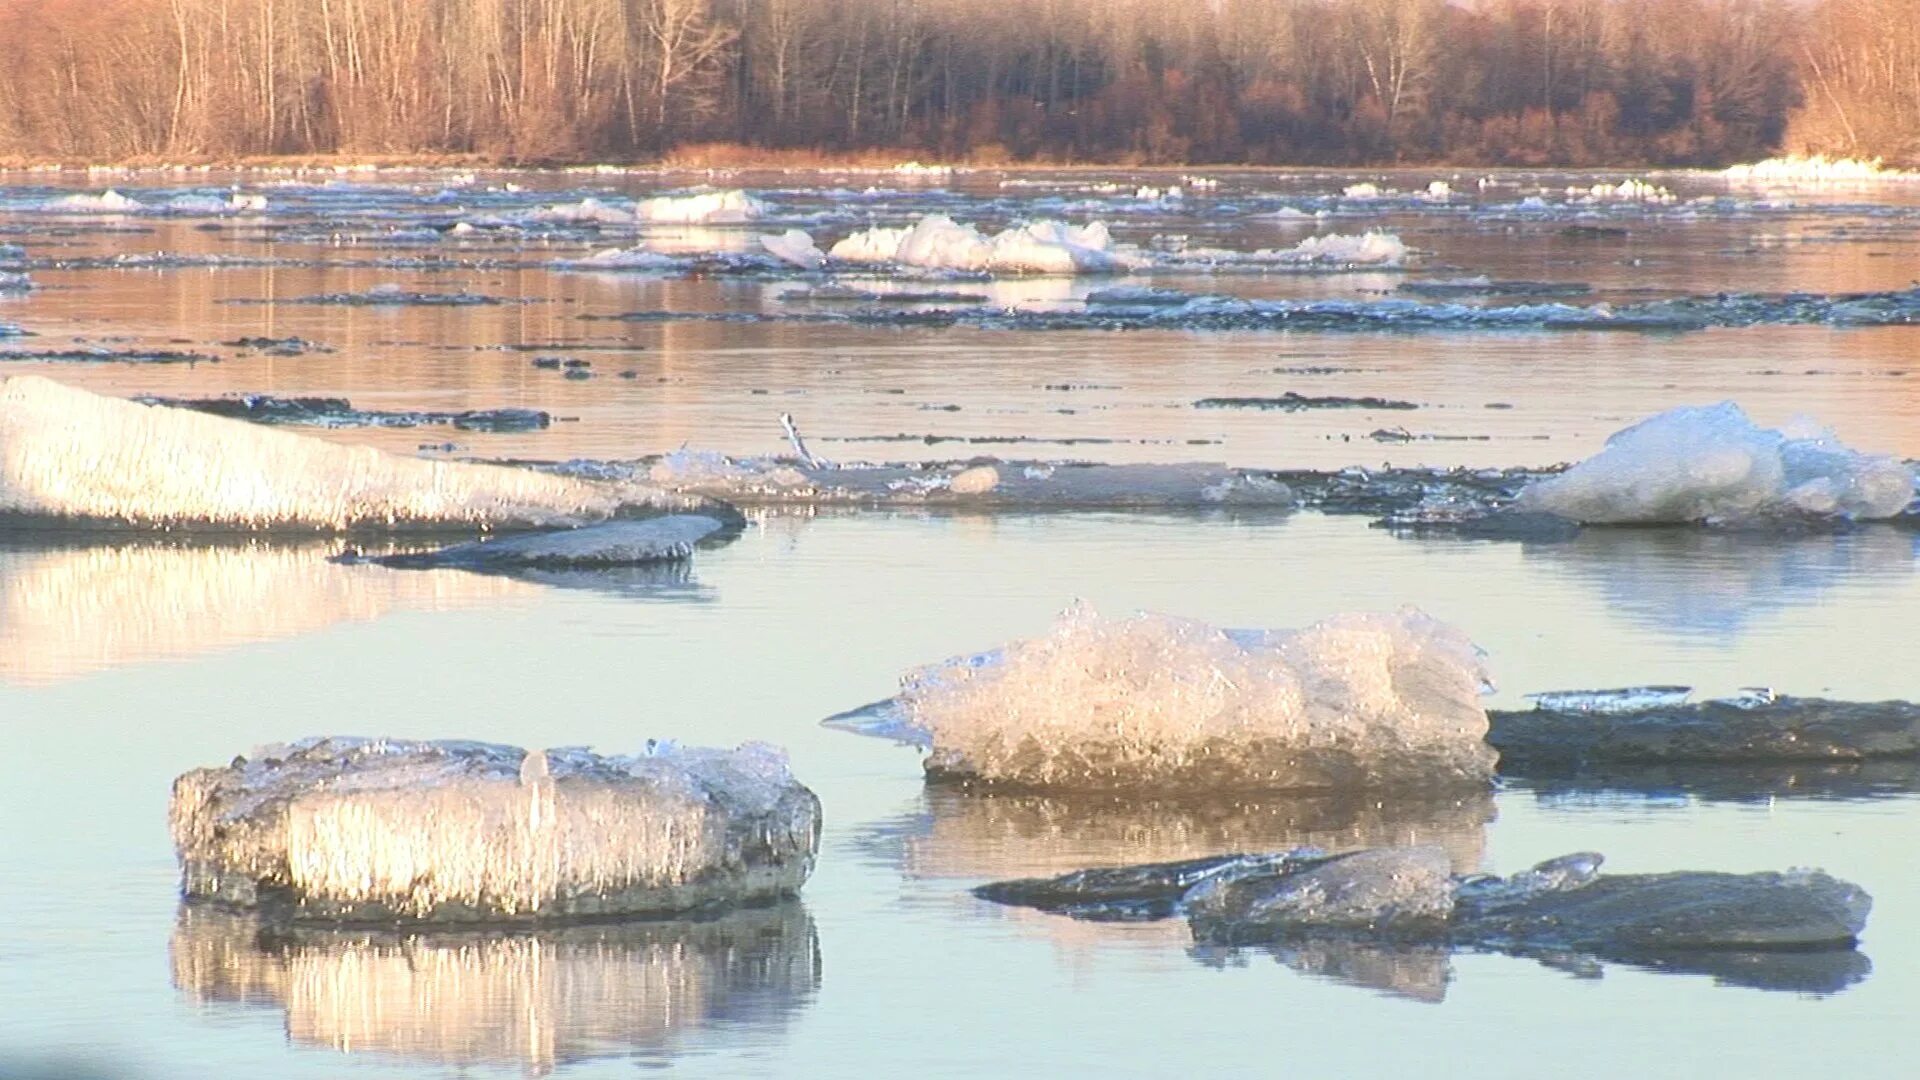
125, 662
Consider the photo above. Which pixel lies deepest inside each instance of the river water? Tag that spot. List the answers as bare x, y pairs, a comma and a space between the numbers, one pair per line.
126, 661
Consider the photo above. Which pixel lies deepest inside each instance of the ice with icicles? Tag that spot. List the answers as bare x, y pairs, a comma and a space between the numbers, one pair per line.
331, 829
1713, 465
72, 457
703, 208
1162, 703
937, 242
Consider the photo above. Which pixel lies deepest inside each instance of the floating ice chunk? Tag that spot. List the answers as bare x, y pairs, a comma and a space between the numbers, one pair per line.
794, 246
937, 242
14, 281
1712, 464
1406, 894
1370, 249
107, 202
634, 258
704, 208
1028, 485
1383, 890
1366, 189
1438, 191
74, 457
1626, 699
331, 829
1757, 727
1629, 190
213, 205
609, 544
915, 168
1153, 701
588, 211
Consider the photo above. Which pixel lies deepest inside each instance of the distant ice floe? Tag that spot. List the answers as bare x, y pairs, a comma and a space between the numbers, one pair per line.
978, 485
69, 457
937, 242
1162, 703
13, 282
588, 211
1714, 465
705, 208
1630, 190
794, 247
1371, 249
1816, 170
106, 202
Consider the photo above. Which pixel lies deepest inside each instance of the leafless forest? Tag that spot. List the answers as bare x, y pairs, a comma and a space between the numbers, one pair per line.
1520, 82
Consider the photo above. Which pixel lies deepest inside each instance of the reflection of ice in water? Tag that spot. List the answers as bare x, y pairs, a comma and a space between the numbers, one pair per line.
1413, 971
700, 240
68, 611
965, 835
1692, 581
533, 1000
960, 834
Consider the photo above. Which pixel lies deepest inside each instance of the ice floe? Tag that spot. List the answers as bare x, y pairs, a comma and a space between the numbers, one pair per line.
332, 412
1368, 249
1816, 170
328, 829
1151, 701
1786, 931
79, 459
609, 544
1713, 465
702, 208
1022, 485
794, 247
105, 202
937, 242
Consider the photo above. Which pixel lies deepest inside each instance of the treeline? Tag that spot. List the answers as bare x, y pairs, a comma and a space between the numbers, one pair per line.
1522, 82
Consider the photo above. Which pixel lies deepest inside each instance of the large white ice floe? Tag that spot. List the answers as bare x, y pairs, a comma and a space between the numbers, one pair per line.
1159, 703
1711, 464
71, 457
377, 830
937, 242
703, 208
